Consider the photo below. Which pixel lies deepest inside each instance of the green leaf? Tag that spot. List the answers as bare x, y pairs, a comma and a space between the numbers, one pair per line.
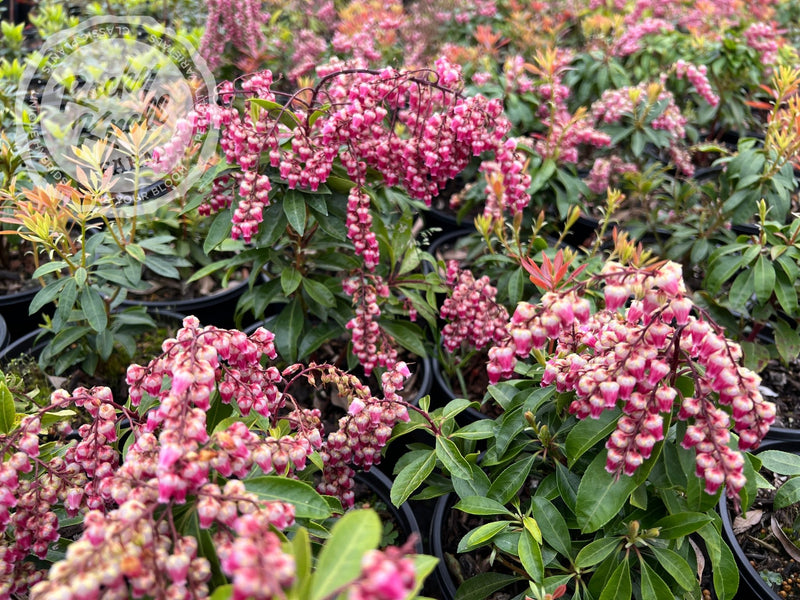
301, 550
51, 267
409, 335
477, 484
413, 475
723, 566
448, 453
46, 295
511, 480
477, 430
481, 535
619, 584
137, 252
788, 493
787, 340
763, 279
589, 432
223, 592
674, 564
219, 230
456, 407
319, 292
66, 300
294, 207
290, 280
67, 337
554, 527
478, 505
484, 585
653, 587
596, 552
681, 524
601, 495
277, 111
308, 503
780, 462
94, 309
741, 289
721, 270
339, 562
287, 327
7, 410
530, 555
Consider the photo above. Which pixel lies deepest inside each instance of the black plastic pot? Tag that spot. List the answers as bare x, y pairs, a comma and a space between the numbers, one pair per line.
27, 344
5, 336
217, 309
14, 309
443, 393
751, 584
379, 483
441, 576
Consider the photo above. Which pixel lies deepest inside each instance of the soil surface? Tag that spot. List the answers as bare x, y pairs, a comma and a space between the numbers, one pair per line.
781, 384
770, 539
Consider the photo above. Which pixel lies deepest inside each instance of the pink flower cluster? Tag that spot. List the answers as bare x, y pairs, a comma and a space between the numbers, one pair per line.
363, 432
385, 575
443, 131
763, 37
629, 41
614, 105
607, 170
236, 21
698, 78
130, 544
371, 344
472, 311
32, 484
628, 355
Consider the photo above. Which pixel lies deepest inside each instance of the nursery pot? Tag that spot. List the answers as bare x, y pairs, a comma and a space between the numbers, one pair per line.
5, 336
403, 516
443, 393
751, 584
216, 309
441, 575
14, 309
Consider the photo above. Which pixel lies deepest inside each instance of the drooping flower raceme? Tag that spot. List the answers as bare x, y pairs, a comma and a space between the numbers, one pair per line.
131, 543
630, 354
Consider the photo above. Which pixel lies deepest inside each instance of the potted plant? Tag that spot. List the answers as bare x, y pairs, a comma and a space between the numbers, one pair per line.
212, 462
613, 447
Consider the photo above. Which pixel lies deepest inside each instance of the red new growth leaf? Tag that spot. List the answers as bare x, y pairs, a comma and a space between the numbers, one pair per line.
550, 276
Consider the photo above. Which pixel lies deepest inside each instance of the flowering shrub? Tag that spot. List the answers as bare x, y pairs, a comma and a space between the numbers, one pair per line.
173, 487
652, 357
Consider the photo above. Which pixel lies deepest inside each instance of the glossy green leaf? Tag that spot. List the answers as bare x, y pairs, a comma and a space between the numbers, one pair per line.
652, 586
679, 525
290, 280
554, 527
780, 462
674, 564
723, 566
319, 292
294, 207
721, 271
51, 267
481, 535
449, 454
66, 337
66, 300
763, 279
219, 230
510, 481
484, 585
137, 252
339, 562
530, 555
409, 335
413, 475
308, 503
301, 550
94, 309
589, 432
785, 292
787, 340
596, 552
741, 289
479, 505
46, 295
7, 410
601, 495
619, 584
223, 592
788, 493
287, 328
477, 484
